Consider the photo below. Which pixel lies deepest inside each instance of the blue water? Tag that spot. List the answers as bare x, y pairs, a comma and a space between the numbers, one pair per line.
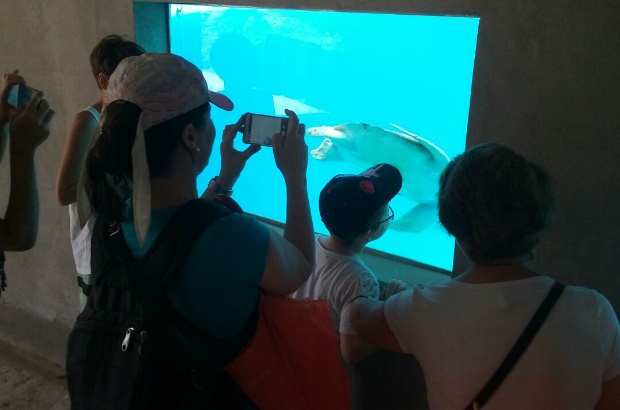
332, 68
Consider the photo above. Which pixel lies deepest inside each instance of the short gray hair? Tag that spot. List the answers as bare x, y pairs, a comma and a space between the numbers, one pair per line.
495, 202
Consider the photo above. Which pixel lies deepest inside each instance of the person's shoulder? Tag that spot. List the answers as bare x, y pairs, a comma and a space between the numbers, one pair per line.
366, 275
352, 273
88, 114
368, 283
585, 293
588, 301
85, 118
349, 266
234, 226
241, 219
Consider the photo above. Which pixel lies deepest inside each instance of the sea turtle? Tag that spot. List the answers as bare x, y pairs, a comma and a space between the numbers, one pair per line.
419, 161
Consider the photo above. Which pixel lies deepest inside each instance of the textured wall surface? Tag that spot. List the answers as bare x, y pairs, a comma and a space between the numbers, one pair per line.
546, 82
50, 42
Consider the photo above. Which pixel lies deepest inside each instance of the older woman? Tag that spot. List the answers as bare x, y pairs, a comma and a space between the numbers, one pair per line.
496, 203
157, 137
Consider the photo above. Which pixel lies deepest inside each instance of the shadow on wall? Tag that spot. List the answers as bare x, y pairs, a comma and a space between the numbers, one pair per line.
388, 380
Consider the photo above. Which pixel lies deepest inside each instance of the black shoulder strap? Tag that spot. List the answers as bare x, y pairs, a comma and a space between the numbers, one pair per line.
152, 274
519, 347
155, 269
161, 260
149, 274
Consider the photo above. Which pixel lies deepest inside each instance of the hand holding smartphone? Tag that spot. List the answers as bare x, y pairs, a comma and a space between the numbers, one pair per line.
20, 95
259, 129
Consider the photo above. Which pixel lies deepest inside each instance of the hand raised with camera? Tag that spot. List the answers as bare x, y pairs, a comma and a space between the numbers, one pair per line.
30, 124
233, 161
8, 81
291, 155
291, 151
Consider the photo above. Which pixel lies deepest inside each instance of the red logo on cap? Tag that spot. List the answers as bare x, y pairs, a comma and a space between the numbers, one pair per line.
367, 186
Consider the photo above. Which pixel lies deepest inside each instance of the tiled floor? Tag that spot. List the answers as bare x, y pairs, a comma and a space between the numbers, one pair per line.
28, 382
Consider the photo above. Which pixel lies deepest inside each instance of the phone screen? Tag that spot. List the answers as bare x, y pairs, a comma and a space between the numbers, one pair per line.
20, 95
259, 129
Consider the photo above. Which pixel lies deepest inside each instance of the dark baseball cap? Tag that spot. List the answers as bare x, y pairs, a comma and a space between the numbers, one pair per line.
348, 202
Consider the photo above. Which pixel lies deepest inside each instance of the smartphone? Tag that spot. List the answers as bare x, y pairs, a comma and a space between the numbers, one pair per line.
259, 129
20, 95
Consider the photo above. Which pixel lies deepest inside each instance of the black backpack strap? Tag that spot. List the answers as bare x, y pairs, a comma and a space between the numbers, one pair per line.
183, 352
154, 270
149, 275
163, 260
520, 346
107, 243
86, 288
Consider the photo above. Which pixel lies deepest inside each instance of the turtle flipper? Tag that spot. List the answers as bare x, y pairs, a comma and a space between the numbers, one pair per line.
326, 151
437, 153
404, 131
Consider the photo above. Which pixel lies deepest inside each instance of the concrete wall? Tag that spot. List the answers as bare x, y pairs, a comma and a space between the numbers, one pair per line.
50, 41
546, 82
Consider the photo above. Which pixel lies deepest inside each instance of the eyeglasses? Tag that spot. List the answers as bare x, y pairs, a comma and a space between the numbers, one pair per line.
390, 216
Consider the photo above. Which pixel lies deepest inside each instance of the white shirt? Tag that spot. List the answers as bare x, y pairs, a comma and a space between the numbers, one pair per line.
81, 236
338, 278
460, 333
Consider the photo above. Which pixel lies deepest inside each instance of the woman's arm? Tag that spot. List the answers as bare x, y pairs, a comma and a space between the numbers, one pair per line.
233, 161
29, 127
73, 156
286, 267
290, 259
368, 320
353, 347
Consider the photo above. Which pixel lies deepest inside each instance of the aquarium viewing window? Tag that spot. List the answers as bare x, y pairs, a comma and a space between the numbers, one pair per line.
402, 75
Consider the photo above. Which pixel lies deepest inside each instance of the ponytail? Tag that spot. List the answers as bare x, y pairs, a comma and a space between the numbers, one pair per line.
108, 164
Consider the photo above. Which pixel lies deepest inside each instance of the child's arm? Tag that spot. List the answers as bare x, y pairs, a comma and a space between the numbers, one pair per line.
352, 347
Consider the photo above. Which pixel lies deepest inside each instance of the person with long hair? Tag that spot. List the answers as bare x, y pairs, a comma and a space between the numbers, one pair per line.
156, 137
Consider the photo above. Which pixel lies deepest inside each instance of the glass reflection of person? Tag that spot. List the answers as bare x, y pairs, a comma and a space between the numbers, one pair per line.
237, 62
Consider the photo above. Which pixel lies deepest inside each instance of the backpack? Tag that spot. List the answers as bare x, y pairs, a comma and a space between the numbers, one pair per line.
129, 347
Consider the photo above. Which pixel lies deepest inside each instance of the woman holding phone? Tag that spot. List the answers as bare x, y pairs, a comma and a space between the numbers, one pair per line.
157, 137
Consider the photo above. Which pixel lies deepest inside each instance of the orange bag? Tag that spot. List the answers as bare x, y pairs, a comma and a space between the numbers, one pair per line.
293, 361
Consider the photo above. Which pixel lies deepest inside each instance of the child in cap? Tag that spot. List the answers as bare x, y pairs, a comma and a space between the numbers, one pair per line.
355, 209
